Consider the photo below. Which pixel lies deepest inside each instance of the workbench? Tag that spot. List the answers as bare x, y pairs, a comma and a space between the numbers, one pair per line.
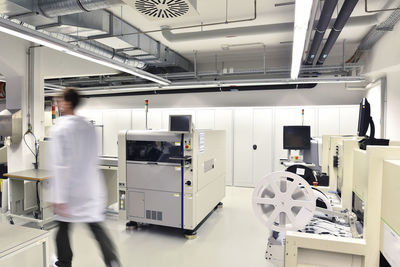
16, 239
27, 189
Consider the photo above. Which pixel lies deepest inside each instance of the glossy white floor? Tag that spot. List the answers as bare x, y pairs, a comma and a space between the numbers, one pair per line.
232, 236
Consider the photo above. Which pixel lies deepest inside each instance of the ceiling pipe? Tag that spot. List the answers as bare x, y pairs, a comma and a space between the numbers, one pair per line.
203, 90
341, 20
254, 30
323, 22
55, 8
220, 85
62, 41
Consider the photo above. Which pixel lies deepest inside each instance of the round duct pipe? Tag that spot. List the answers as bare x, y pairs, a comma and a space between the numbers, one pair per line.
55, 8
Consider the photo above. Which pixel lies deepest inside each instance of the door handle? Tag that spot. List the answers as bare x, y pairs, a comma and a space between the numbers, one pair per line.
254, 147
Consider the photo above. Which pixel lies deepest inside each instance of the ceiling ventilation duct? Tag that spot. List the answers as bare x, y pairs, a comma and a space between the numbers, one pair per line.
166, 9
54, 8
116, 38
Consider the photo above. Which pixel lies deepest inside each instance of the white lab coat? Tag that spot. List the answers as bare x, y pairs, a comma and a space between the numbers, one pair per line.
75, 177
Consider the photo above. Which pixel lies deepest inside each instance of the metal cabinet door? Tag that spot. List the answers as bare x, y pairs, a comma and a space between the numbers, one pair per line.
135, 207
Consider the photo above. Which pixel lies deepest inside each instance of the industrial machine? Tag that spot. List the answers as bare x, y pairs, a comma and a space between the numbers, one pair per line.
305, 162
339, 224
172, 178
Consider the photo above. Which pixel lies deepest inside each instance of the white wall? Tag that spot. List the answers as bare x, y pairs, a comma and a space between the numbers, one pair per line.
13, 66
384, 61
393, 106
322, 94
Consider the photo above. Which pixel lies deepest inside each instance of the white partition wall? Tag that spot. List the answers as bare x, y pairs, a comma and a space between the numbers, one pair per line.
348, 115
328, 121
282, 117
224, 121
154, 119
114, 121
205, 119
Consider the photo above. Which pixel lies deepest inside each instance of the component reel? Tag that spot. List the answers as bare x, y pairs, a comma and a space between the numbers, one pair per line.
284, 201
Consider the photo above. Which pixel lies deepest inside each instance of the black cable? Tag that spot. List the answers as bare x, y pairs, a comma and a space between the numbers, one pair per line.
36, 153
28, 145
38, 199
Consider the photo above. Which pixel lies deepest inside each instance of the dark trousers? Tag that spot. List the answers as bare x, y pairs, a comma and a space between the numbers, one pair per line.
64, 252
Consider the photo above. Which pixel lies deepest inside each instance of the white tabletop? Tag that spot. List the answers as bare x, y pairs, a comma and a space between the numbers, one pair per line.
13, 238
32, 174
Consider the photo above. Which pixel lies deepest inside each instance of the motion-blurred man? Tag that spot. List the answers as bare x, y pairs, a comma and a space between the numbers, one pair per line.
77, 186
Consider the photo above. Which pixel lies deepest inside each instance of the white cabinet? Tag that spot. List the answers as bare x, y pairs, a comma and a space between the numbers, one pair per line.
114, 121
224, 121
252, 145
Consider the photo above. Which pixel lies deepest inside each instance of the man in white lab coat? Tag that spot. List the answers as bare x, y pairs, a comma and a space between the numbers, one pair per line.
77, 187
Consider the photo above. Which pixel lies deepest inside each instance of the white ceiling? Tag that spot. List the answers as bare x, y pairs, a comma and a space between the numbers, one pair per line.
210, 11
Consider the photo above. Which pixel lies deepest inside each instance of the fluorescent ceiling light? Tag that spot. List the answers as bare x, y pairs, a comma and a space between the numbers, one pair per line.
301, 17
33, 39
28, 34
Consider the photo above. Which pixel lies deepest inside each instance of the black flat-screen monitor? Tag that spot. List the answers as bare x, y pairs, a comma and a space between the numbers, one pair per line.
296, 137
364, 116
180, 123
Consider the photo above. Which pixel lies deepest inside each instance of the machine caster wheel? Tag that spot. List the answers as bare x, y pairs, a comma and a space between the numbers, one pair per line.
190, 235
131, 225
11, 222
220, 205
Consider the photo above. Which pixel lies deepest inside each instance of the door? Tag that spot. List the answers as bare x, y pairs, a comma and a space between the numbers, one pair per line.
243, 151
252, 145
262, 139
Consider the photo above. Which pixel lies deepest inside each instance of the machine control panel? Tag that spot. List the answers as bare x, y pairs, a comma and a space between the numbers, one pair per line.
188, 174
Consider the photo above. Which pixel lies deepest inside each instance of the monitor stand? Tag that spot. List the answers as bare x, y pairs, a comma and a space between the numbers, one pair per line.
371, 141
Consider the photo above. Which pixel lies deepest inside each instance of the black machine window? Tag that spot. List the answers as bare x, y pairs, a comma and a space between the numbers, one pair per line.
153, 151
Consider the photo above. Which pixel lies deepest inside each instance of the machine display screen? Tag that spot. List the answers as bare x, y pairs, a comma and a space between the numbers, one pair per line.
296, 137
180, 123
153, 151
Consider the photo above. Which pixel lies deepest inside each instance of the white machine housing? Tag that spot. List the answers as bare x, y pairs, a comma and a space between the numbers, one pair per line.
176, 191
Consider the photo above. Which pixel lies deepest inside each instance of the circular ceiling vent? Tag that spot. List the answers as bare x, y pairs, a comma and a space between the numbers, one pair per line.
162, 8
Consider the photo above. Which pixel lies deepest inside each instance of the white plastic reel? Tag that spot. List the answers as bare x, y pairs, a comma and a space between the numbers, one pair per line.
284, 201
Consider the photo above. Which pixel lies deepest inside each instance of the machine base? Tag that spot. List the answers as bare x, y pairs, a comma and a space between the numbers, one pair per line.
131, 225
189, 234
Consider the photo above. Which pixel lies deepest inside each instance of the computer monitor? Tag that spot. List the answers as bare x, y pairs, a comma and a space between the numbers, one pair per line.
364, 119
180, 123
296, 137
